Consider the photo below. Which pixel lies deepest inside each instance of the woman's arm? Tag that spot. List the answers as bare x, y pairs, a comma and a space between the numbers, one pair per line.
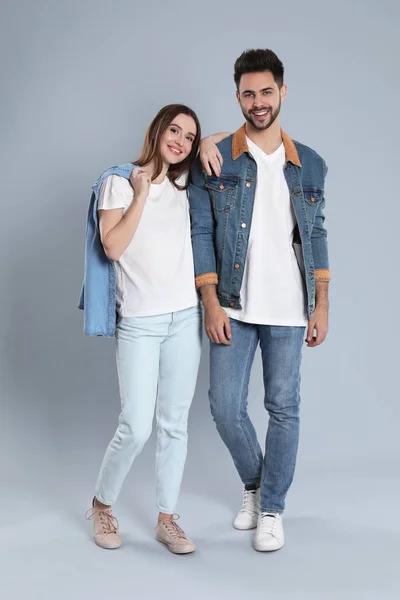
117, 229
210, 156
218, 137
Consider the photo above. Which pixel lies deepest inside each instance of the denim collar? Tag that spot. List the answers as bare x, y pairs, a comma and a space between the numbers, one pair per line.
239, 145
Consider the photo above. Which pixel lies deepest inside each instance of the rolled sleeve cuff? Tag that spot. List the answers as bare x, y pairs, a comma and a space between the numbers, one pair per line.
206, 279
322, 275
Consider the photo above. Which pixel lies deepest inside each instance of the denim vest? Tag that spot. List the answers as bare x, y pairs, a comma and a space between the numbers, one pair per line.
98, 295
221, 210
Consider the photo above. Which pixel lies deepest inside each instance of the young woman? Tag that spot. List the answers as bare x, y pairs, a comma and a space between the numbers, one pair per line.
143, 222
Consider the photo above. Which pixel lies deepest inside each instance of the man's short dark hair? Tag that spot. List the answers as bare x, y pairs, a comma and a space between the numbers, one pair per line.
256, 61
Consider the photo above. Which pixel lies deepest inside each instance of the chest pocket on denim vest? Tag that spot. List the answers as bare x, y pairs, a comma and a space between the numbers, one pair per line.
312, 198
222, 191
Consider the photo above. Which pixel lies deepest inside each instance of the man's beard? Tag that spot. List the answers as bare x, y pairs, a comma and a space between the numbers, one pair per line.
262, 126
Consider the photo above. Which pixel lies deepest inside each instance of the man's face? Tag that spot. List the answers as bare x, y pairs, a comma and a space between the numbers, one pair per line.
260, 99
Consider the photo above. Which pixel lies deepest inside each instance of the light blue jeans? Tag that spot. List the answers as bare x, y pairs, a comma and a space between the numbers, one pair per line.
157, 359
230, 368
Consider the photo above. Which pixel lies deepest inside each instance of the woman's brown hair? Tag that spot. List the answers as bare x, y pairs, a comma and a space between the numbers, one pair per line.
151, 145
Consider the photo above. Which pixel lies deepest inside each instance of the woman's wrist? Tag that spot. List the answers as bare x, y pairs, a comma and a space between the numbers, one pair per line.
216, 138
140, 198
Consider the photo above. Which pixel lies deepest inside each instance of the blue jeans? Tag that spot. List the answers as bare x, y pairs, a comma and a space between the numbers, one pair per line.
230, 368
158, 359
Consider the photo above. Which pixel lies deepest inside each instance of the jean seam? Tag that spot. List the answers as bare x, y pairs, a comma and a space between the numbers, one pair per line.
158, 428
247, 369
191, 320
292, 405
103, 473
111, 456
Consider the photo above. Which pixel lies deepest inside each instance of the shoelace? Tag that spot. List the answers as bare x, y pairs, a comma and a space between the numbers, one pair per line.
249, 501
108, 522
173, 529
267, 523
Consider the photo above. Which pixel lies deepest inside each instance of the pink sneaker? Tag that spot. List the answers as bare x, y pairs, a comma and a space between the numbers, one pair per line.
170, 534
106, 533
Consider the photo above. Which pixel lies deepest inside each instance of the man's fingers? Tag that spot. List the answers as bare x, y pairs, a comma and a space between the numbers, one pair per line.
228, 329
311, 339
209, 335
310, 331
317, 340
221, 335
217, 335
212, 334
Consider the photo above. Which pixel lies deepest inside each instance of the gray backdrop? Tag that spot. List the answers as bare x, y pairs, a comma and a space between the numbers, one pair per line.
80, 82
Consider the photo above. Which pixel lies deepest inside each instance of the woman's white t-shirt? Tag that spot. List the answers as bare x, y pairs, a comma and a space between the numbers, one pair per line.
155, 274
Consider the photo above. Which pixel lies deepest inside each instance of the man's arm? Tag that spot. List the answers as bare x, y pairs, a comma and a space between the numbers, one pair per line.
203, 229
319, 241
216, 321
319, 319
203, 235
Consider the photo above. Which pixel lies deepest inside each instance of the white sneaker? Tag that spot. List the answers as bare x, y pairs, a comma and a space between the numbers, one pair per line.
248, 515
269, 535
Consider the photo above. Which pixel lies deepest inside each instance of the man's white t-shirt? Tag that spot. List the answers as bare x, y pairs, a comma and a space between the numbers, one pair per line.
272, 291
155, 274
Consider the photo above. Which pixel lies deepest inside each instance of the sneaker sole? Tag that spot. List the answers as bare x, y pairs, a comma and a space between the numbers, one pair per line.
107, 547
261, 549
239, 528
179, 550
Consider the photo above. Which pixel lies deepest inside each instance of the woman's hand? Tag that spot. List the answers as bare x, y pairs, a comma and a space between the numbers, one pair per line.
210, 156
141, 182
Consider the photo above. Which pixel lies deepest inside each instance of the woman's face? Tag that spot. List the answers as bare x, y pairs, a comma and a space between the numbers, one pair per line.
177, 140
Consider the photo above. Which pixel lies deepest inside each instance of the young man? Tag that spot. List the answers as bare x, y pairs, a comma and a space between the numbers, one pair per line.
261, 264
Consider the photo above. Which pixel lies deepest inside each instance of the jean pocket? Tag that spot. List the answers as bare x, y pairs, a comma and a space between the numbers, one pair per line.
313, 199
222, 191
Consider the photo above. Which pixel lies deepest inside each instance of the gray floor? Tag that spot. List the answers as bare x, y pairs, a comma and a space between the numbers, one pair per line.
341, 524
331, 552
